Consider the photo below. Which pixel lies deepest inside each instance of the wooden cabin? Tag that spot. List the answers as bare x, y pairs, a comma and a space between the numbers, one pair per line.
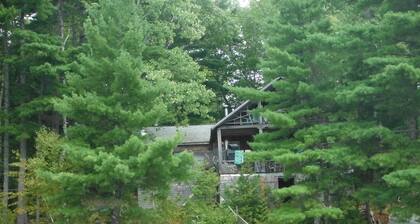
224, 145
229, 143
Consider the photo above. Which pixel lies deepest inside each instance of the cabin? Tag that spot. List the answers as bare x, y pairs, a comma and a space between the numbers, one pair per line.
229, 141
196, 139
224, 145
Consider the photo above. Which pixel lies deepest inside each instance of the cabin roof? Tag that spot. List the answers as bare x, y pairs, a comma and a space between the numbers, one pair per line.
200, 134
267, 87
192, 135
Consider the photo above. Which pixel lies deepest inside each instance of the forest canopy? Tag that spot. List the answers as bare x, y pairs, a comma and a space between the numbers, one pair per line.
81, 80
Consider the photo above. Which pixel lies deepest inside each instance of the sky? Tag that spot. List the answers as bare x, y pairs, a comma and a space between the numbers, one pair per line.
243, 3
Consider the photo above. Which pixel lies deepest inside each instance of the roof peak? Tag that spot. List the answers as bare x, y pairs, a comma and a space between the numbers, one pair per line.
264, 88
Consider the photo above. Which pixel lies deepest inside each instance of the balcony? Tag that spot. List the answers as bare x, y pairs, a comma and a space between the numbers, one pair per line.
229, 167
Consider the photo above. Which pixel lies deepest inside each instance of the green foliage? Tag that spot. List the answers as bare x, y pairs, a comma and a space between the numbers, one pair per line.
345, 112
405, 182
346, 109
34, 62
296, 190
203, 206
286, 215
278, 119
48, 158
128, 79
228, 51
250, 198
205, 186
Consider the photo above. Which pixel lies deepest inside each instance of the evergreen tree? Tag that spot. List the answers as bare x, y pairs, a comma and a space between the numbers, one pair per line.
341, 110
345, 111
7, 14
129, 78
393, 91
28, 96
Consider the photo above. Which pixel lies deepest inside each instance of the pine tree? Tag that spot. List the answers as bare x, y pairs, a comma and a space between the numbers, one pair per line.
394, 93
346, 99
24, 45
7, 14
129, 78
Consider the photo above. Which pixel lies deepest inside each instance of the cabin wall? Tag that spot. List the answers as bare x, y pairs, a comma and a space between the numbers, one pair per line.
201, 152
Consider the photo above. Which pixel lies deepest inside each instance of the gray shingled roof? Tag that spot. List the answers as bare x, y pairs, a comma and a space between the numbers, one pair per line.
193, 134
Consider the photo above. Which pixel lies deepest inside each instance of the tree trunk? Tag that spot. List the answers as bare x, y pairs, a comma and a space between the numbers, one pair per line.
368, 214
115, 217
1, 108
317, 220
6, 136
63, 45
116, 210
412, 127
37, 212
22, 217
61, 21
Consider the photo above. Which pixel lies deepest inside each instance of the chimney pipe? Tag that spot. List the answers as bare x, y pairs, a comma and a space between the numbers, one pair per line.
226, 109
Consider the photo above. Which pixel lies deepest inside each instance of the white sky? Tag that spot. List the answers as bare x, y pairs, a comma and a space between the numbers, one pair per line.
243, 3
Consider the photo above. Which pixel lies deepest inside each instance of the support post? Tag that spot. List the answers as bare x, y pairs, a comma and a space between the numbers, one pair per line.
22, 216
219, 148
260, 121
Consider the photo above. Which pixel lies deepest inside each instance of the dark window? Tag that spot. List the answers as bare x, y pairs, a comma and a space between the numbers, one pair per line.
285, 183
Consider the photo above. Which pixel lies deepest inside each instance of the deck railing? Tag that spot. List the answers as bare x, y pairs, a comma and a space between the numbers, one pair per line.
228, 167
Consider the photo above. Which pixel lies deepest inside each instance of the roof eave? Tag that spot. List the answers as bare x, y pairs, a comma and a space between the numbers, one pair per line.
194, 143
218, 124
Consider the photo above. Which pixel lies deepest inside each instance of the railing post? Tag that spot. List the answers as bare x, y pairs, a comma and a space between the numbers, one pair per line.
219, 148
260, 120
